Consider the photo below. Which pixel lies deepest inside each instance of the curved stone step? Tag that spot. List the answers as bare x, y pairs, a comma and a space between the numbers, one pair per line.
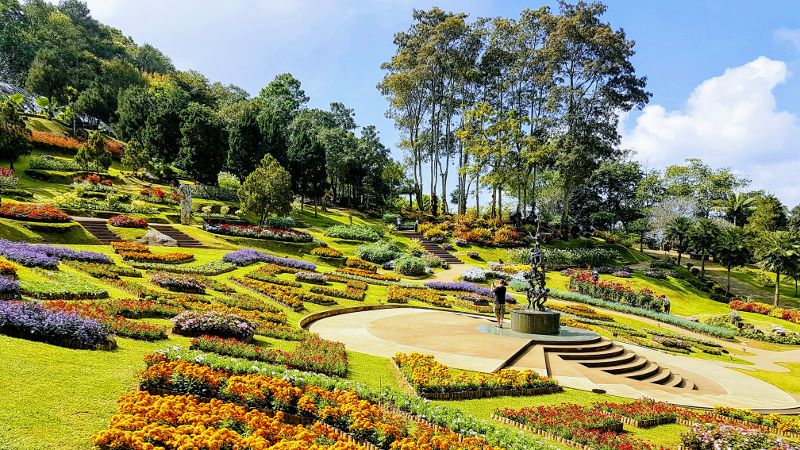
663, 376
616, 360
648, 370
579, 348
633, 366
677, 381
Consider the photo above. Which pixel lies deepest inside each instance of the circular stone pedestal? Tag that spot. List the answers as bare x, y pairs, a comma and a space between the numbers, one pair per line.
535, 322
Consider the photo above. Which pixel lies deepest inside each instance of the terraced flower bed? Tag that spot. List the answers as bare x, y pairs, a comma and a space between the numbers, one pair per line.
34, 322
33, 212
215, 323
208, 269
116, 324
399, 294
178, 283
61, 286
104, 270
249, 231
245, 257
435, 381
367, 274
291, 297
312, 354
350, 292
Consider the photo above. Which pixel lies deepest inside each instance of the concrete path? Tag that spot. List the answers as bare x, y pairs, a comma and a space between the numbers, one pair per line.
468, 342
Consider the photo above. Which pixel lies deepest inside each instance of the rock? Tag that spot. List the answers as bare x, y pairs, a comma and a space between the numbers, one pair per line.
694, 319
779, 331
154, 237
734, 317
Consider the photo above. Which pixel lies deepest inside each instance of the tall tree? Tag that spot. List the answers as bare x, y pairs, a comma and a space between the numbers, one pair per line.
245, 147
698, 180
678, 232
738, 207
703, 238
596, 82
14, 136
203, 143
267, 190
732, 249
93, 153
769, 214
778, 252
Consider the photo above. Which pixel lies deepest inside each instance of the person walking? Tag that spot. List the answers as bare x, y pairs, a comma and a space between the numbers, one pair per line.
499, 290
665, 302
595, 275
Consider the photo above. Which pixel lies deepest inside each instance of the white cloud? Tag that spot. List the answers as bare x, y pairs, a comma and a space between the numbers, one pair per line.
730, 120
791, 36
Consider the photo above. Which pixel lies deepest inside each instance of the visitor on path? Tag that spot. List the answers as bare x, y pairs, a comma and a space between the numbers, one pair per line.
665, 303
595, 275
398, 223
499, 290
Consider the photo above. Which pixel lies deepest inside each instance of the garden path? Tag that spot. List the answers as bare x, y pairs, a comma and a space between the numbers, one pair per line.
465, 341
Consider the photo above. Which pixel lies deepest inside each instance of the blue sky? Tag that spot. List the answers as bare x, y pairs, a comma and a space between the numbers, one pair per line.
723, 73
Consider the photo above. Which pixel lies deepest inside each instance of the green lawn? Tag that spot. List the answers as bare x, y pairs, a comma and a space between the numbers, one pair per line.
789, 382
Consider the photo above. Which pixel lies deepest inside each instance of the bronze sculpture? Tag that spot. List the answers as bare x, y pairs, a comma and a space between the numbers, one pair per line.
537, 291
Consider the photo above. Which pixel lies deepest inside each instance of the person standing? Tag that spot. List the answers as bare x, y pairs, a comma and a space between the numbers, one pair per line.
666, 303
499, 291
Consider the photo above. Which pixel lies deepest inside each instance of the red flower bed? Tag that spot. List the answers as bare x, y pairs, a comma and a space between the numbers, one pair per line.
115, 147
582, 282
128, 222
791, 315
54, 140
93, 178
33, 212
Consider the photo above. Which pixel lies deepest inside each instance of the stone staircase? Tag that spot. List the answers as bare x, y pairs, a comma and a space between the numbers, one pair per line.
432, 248
182, 238
97, 228
601, 354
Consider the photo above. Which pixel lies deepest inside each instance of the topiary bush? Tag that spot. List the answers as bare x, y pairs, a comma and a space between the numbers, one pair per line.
410, 266
378, 252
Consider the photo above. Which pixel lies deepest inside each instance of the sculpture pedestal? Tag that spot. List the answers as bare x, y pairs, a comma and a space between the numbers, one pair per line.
535, 322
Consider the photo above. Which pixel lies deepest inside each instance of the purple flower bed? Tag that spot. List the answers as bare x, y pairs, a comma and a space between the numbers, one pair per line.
46, 256
32, 321
247, 256
465, 287
214, 323
9, 288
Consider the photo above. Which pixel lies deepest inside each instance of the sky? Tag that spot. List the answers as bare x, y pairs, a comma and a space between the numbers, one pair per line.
723, 73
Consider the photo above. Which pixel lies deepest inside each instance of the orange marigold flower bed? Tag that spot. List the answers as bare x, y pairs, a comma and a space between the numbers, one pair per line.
54, 140
33, 212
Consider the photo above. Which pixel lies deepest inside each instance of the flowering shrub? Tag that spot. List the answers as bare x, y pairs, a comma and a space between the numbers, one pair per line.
138, 309
7, 179
311, 277
428, 375
479, 275
378, 252
9, 288
411, 266
557, 258
115, 324
312, 354
326, 252
54, 140
657, 274
245, 257
712, 437
622, 274
792, 315
34, 322
349, 293
361, 264
353, 233
70, 254
583, 283
642, 410
461, 286
104, 270
158, 195
145, 420
93, 180
275, 234
128, 221
131, 251
399, 294
33, 212
178, 284
61, 286
782, 423
367, 274
194, 323
209, 268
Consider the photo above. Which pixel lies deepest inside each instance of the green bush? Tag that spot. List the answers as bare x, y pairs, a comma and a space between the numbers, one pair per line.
378, 252
390, 218
353, 233
282, 223
571, 257
411, 266
228, 181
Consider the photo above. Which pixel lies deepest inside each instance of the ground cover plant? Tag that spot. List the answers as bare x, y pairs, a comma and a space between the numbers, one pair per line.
361, 273
427, 375
276, 234
354, 233
46, 256
97, 270
214, 323
326, 252
51, 285
245, 257
350, 292
401, 294
178, 283
34, 322
312, 353
116, 324
209, 269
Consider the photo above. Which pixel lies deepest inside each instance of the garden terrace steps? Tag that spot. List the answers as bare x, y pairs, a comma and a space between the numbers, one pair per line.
432, 248
647, 371
621, 358
628, 367
97, 228
182, 238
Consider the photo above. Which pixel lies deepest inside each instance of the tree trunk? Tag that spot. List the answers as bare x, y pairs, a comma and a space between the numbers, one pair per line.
477, 195
777, 288
728, 290
641, 243
703, 266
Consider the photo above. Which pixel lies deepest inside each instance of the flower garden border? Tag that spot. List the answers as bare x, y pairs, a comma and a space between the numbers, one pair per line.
745, 424
289, 419
291, 308
647, 423
544, 433
467, 395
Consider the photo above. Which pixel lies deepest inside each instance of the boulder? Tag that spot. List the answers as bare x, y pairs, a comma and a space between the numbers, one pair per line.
154, 237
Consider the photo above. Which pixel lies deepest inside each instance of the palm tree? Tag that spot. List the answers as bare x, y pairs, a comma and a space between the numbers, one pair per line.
677, 232
703, 237
737, 207
779, 252
732, 249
